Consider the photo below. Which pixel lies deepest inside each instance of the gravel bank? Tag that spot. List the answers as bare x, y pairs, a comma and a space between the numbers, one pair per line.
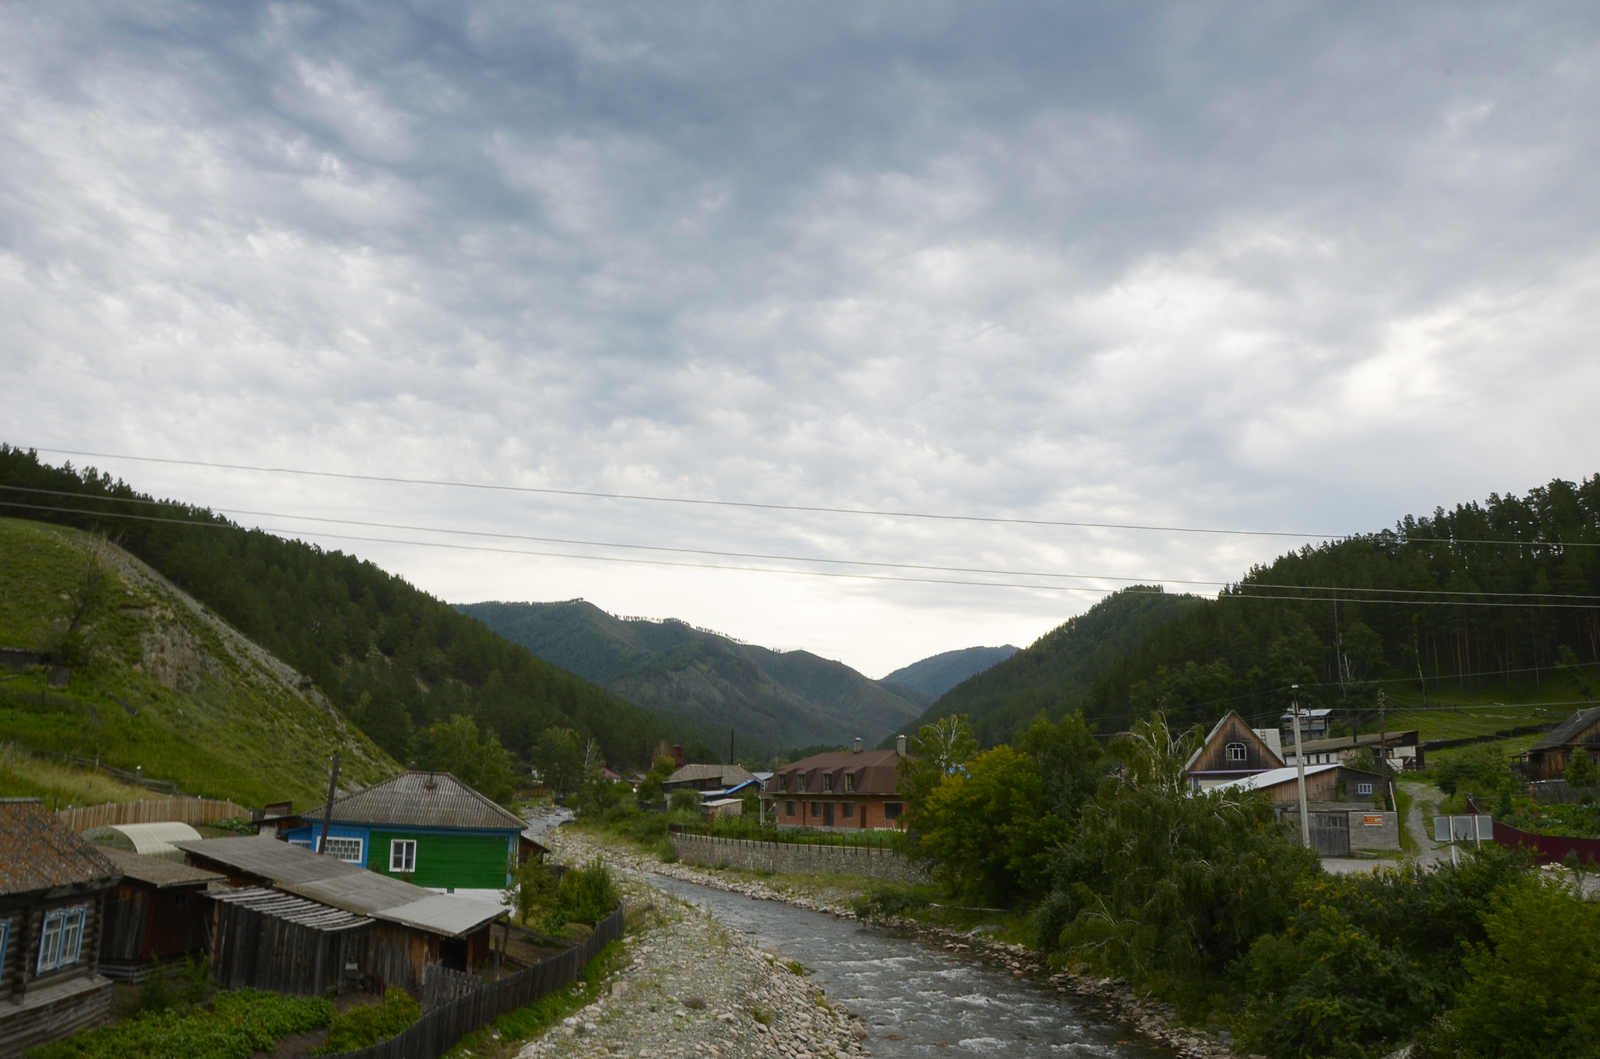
1111, 1000
694, 989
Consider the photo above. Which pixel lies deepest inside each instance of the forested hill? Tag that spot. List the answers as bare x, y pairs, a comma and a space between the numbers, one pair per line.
937, 674
392, 657
1490, 601
1055, 672
777, 700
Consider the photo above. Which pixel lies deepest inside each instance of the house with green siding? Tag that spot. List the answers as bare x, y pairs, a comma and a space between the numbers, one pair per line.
427, 828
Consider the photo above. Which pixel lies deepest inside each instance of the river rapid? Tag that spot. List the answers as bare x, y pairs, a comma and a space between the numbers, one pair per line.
917, 1000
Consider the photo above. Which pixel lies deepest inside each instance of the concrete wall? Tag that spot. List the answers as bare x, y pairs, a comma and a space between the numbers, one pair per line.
793, 858
1374, 836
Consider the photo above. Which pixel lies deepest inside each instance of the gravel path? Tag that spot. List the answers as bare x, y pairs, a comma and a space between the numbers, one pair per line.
694, 989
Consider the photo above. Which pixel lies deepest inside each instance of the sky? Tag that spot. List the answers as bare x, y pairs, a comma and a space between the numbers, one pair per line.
1274, 266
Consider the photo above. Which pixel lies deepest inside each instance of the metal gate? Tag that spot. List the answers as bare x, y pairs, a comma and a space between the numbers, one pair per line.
1330, 834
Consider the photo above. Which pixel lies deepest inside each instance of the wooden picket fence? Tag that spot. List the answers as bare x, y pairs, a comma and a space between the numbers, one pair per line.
439, 1030
152, 811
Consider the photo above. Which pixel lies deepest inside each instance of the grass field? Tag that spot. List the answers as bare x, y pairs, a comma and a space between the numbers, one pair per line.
154, 686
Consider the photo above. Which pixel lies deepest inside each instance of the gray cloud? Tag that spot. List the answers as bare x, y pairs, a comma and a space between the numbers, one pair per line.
1273, 264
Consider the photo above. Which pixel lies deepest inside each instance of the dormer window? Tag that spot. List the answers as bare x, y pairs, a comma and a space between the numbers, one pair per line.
827, 783
1236, 752
801, 776
849, 782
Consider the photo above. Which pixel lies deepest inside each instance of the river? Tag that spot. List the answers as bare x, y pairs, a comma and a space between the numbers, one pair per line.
917, 1000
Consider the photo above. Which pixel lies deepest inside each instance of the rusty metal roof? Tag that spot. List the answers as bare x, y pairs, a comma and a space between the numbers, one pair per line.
422, 799
38, 853
291, 909
157, 871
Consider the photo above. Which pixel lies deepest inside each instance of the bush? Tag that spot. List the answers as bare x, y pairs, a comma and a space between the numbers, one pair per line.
889, 902
366, 1025
238, 1025
587, 895
686, 799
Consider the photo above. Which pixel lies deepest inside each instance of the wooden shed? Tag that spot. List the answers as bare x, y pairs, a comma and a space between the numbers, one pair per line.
267, 939
158, 910
1547, 759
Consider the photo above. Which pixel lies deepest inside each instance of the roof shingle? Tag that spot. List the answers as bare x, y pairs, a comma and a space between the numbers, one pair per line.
422, 799
37, 853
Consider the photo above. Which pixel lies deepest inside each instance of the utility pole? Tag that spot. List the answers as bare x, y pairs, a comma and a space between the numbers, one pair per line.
327, 810
1383, 748
1300, 766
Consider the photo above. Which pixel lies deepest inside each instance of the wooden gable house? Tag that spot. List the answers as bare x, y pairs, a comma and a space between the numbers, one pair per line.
1547, 759
52, 891
1232, 750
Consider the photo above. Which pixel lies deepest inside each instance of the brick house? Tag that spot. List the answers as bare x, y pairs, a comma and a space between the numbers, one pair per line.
53, 887
841, 789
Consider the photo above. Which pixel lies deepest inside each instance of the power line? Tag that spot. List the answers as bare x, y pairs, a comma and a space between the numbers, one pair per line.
797, 558
814, 509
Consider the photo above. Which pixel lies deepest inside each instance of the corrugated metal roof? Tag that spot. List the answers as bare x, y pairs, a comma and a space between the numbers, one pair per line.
158, 871
727, 775
422, 799
330, 881
1263, 780
1570, 729
291, 909
153, 840
268, 858
38, 853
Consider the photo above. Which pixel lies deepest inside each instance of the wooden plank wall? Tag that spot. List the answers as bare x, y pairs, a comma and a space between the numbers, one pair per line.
437, 1031
151, 811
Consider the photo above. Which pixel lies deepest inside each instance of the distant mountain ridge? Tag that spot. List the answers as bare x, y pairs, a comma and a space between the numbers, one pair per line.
778, 699
937, 674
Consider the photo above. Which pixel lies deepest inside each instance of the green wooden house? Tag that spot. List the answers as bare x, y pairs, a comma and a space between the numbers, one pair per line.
427, 828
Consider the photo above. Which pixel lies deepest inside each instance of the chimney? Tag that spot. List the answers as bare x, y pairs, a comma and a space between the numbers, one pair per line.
677, 754
855, 748
900, 745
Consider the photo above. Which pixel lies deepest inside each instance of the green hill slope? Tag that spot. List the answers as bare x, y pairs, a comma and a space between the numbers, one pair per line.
157, 684
937, 674
1058, 669
389, 655
775, 699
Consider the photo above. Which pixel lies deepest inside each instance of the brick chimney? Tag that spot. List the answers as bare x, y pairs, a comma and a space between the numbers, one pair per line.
855, 748
677, 754
900, 745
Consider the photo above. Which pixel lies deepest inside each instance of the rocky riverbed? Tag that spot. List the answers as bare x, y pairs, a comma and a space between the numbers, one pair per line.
692, 948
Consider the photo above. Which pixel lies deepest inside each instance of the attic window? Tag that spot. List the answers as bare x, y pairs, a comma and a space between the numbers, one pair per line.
849, 782
801, 778
1236, 752
827, 783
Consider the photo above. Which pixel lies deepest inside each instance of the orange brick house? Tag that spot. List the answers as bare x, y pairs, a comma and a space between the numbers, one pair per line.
841, 789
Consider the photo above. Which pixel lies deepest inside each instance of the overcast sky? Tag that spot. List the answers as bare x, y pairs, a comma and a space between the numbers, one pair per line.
1281, 266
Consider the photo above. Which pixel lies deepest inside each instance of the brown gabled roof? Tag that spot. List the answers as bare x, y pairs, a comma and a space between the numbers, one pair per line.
38, 853
157, 871
877, 772
1570, 730
422, 799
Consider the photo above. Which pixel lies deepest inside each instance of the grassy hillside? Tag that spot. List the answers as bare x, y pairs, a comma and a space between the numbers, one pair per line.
1054, 673
939, 673
156, 683
393, 658
776, 699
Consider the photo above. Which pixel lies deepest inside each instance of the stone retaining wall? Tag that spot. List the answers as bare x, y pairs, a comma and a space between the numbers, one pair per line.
796, 858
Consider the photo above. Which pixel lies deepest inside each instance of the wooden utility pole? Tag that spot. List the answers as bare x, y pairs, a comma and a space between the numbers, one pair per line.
1300, 766
327, 810
1383, 752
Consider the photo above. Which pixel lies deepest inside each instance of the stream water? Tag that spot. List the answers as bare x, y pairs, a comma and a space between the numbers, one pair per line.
918, 1000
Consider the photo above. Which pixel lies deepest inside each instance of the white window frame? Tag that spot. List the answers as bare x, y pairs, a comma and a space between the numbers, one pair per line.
361, 849
1237, 752
303, 843
402, 854
1363, 788
61, 938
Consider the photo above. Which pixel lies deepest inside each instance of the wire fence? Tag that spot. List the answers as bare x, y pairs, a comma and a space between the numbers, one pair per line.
441, 1029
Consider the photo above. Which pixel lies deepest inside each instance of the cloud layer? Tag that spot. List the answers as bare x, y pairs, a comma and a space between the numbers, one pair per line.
1276, 265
